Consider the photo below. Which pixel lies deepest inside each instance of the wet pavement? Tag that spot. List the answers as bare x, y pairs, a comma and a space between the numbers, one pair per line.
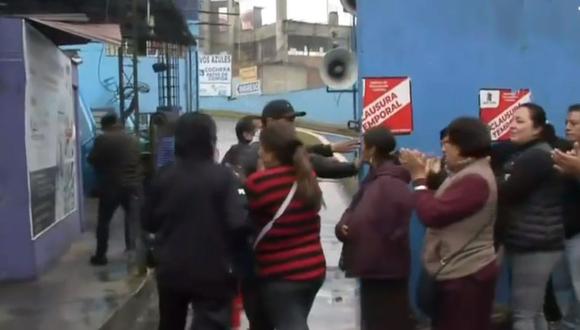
73, 295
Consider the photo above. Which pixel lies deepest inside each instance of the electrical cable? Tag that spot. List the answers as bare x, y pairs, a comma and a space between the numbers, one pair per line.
99, 77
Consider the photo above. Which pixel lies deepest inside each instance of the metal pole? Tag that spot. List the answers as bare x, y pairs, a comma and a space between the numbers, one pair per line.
187, 84
189, 81
169, 65
121, 89
356, 87
196, 80
136, 257
136, 65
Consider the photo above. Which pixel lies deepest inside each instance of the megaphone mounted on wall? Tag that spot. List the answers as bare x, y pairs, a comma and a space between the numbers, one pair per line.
339, 69
349, 6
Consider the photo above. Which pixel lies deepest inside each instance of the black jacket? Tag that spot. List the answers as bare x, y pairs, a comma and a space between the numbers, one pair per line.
235, 153
324, 164
327, 167
571, 199
572, 207
330, 168
530, 198
116, 158
242, 158
198, 213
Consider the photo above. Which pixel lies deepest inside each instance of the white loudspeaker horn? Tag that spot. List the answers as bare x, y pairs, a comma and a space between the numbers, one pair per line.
339, 69
349, 6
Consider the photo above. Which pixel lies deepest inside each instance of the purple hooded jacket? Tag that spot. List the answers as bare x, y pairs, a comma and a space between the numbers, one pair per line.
377, 244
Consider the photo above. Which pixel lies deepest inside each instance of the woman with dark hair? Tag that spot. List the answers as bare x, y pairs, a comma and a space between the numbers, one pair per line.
194, 208
375, 233
459, 243
284, 202
531, 212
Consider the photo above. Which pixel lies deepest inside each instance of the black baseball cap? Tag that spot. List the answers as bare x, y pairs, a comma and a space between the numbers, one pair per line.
279, 109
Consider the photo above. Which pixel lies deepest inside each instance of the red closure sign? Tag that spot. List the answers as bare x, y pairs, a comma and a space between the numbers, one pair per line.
387, 102
497, 107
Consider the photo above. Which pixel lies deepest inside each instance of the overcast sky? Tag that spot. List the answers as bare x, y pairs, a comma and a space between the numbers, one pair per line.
312, 11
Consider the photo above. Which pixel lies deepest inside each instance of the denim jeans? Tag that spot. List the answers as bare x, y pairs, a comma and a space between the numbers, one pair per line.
288, 303
566, 281
530, 275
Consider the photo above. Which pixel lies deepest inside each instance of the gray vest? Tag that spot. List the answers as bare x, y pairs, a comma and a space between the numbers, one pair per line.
441, 243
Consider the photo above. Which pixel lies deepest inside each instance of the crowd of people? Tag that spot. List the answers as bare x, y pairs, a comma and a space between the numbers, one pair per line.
251, 224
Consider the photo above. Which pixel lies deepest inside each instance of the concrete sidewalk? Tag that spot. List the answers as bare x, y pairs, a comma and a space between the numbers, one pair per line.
74, 295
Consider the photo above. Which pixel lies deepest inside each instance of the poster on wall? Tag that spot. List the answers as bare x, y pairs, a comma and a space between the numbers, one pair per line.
50, 132
215, 75
497, 107
387, 102
249, 74
248, 88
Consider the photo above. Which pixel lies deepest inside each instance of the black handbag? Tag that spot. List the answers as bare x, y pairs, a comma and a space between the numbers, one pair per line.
427, 288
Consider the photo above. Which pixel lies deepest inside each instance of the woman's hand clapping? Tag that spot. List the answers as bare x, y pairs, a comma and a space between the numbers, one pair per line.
416, 163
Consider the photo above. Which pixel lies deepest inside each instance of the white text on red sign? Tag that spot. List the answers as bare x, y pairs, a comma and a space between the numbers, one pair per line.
387, 105
500, 125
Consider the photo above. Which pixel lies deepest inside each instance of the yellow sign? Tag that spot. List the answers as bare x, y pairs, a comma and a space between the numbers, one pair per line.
249, 74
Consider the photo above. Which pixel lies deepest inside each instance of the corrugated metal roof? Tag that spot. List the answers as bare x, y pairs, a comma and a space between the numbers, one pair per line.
107, 33
64, 17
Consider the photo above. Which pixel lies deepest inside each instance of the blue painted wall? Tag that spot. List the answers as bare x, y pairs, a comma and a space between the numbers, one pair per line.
98, 76
322, 107
17, 255
452, 48
22, 258
97, 68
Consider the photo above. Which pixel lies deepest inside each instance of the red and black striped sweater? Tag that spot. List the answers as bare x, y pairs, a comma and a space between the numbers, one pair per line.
291, 250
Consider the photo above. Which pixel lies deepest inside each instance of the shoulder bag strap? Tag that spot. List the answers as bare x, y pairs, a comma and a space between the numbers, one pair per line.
278, 214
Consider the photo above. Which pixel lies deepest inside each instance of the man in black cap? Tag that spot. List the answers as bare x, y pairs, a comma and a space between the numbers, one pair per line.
320, 155
282, 110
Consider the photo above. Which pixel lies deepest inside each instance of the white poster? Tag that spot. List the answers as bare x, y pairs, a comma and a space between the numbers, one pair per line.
215, 75
50, 132
248, 88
